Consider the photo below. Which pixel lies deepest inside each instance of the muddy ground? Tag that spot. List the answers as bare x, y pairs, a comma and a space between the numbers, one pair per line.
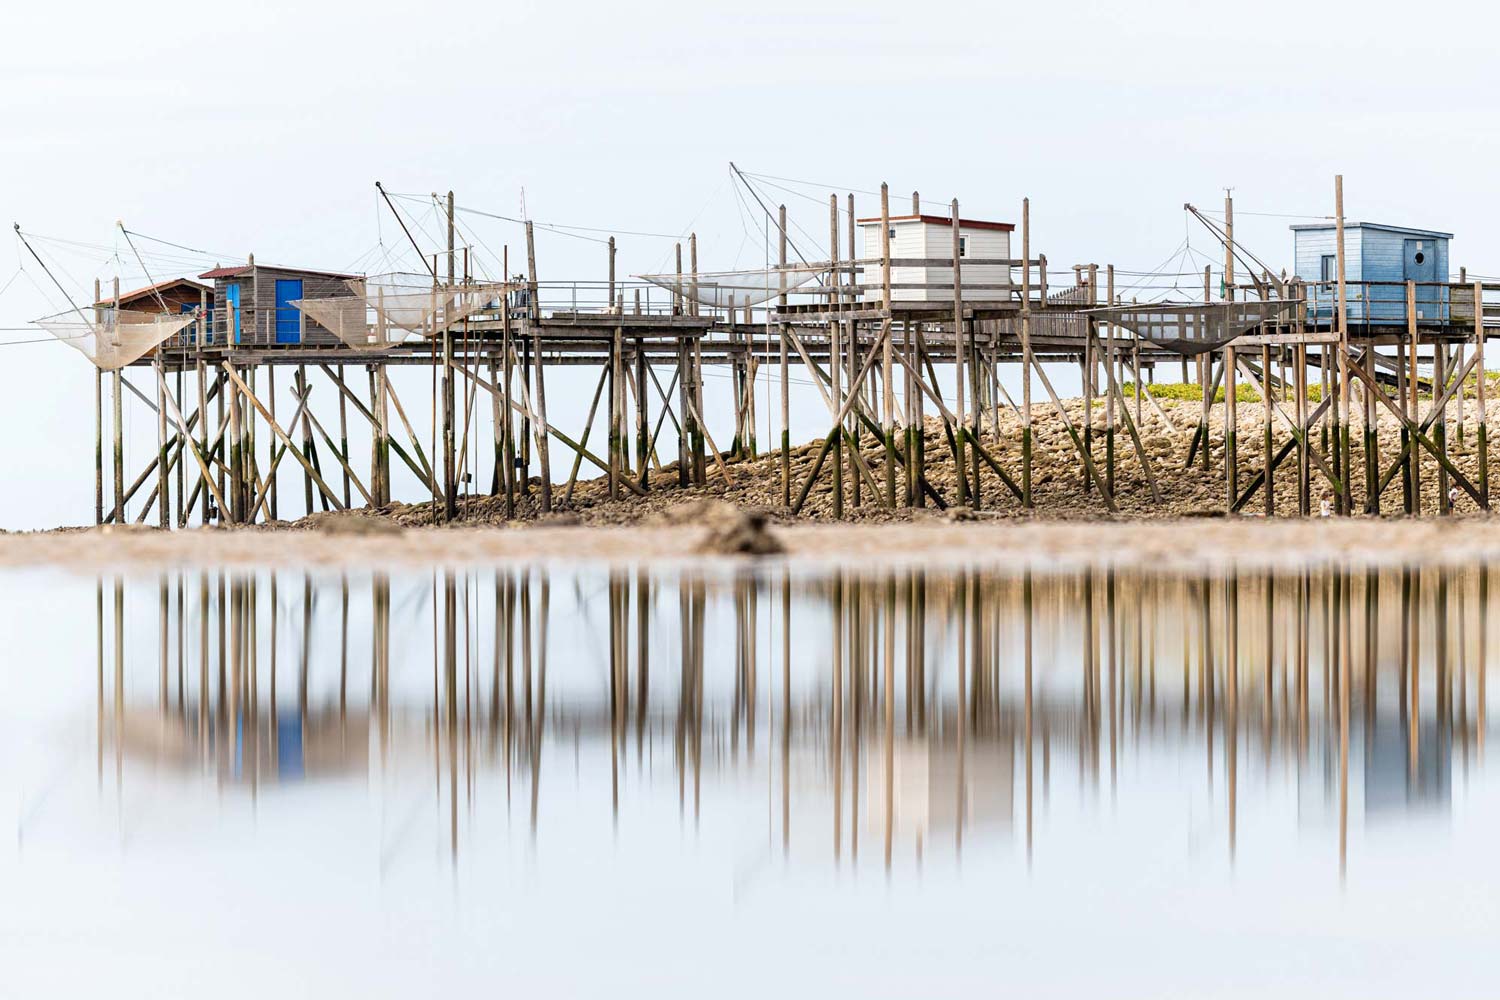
743, 516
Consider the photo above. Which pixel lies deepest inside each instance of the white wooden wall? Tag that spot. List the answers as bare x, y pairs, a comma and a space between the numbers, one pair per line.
915, 238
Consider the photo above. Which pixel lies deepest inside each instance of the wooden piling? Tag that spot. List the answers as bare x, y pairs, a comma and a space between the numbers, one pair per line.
782, 331
540, 389
960, 467
1026, 356
163, 506
1111, 378
118, 425
1268, 444
887, 372
1341, 426
1440, 429
1231, 426
836, 354
1483, 432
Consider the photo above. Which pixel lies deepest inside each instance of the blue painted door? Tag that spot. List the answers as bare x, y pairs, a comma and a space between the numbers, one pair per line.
288, 319
232, 299
1419, 263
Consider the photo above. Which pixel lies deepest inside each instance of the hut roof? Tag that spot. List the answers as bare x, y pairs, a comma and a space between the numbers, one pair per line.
1407, 230
151, 291
239, 270
943, 220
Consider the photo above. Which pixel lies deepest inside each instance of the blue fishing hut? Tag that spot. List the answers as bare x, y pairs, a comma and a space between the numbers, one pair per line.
1378, 261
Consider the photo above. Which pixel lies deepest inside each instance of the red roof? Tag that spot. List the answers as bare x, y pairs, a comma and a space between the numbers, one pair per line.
943, 220
238, 270
150, 290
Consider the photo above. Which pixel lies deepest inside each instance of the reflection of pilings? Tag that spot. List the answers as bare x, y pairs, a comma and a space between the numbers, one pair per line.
961, 713
119, 645
1111, 633
1232, 702
836, 742
450, 696
1484, 657
869, 635
99, 674
380, 668
743, 709
1341, 583
1026, 615
889, 695
534, 740
643, 601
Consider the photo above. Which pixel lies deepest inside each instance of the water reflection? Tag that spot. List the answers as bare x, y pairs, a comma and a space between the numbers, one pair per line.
875, 719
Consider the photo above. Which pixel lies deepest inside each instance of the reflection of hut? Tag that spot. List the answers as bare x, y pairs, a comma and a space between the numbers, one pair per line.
1391, 784
1380, 750
284, 749
933, 788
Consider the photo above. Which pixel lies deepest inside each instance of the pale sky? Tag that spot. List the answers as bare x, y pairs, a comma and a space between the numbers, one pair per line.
238, 130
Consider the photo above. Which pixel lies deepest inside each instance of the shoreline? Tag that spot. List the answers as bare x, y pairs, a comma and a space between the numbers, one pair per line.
1198, 544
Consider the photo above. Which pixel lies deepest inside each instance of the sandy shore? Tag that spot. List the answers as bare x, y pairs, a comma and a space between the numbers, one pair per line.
936, 542
671, 524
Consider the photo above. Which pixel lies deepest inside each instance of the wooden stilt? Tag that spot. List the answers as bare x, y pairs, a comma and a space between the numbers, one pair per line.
786, 428
1440, 431
836, 353
960, 360
1086, 365
1483, 431
1205, 366
851, 343
1026, 357
98, 445
1268, 444
1371, 438
180, 514
503, 397
1111, 377
642, 418
1341, 425
540, 390
164, 507
887, 371
1231, 427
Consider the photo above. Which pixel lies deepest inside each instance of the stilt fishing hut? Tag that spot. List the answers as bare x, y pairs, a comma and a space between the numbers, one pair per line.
918, 342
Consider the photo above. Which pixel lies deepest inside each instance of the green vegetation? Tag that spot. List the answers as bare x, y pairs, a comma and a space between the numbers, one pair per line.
1190, 391
1245, 393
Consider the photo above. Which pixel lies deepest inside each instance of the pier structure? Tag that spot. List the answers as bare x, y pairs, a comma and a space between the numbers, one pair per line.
887, 356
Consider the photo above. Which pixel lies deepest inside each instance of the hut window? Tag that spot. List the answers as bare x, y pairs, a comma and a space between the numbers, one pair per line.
963, 246
1330, 270
892, 233
1420, 257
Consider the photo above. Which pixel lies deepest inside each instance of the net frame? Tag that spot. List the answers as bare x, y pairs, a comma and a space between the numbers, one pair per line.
115, 338
412, 302
735, 289
1194, 328
387, 309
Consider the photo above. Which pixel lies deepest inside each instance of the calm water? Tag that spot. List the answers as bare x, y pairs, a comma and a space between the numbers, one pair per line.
742, 781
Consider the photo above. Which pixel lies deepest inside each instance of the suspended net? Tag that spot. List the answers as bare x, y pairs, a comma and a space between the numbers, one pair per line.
1194, 328
115, 338
386, 309
735, 289
350, 319
413, 303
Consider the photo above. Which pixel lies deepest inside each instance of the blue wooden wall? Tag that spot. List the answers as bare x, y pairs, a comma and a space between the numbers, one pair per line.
1371, 253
